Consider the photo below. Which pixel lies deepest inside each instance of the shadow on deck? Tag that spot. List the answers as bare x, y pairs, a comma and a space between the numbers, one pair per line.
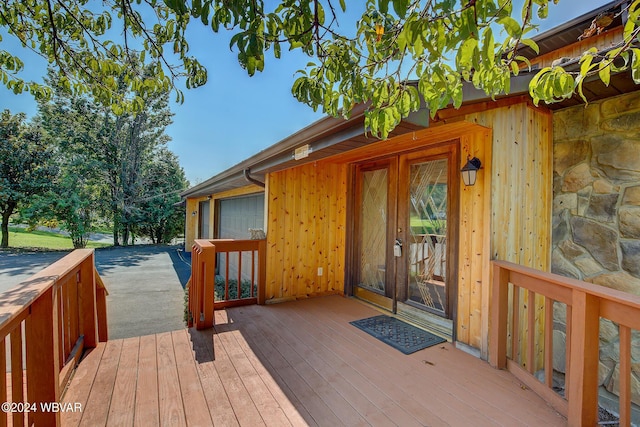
298, 363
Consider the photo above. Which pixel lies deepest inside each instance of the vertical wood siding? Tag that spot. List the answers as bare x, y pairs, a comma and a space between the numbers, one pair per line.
474, 247
306, 231
520, 218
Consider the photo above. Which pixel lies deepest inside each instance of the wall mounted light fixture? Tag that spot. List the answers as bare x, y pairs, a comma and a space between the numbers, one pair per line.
470, 170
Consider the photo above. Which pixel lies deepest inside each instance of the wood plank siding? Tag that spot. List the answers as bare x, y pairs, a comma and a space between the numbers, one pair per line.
306, 224
299, 363
521, 198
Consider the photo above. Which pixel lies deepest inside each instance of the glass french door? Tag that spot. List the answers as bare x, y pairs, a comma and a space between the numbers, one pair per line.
427, 231
404, 208
376, 215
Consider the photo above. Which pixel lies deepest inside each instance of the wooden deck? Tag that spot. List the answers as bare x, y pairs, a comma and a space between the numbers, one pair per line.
297, 363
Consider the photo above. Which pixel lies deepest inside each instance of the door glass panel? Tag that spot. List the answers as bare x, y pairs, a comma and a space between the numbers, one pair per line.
428, 236
373, 230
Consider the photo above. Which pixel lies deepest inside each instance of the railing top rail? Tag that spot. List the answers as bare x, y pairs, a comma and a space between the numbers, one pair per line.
16, 300
599, 291
226, 245
203, 242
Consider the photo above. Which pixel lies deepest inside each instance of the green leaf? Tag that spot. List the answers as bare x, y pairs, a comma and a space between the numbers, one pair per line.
604, 73
531, 44
401, 6
383, 6
514, 68
543, 11
635, 65
466, 53
415, 98
579, 81
585, 64
488, 45
511, 26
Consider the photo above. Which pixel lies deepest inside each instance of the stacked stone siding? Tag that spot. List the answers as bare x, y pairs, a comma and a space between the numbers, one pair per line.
596, 214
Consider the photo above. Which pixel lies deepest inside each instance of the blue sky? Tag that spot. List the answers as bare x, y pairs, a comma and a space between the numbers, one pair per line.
234, 116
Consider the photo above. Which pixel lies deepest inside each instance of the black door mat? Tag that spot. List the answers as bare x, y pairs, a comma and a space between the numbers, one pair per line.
398, 334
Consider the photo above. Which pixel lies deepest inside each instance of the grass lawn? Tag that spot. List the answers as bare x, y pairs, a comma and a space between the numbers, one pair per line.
426, 226
20, 238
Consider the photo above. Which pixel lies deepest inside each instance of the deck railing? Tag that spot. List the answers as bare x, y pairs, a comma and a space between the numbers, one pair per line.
46, 322
224, 273
585, 303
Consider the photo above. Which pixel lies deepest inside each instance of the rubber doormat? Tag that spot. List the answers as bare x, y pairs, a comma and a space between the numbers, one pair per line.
398, 334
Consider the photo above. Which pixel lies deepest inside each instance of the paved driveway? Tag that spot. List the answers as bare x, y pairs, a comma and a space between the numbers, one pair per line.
145, 284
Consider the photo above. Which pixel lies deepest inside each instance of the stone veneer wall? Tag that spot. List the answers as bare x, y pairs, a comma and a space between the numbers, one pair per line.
596, 214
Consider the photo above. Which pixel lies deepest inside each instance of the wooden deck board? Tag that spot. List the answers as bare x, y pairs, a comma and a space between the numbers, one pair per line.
96, 411
190, 386
345, 413
264, 401
311, 403
469, 389
286, 404
363, 394
243, 406
327, 378
298, 363
220, 408
83, 379
147, 409
169, 393
122, 408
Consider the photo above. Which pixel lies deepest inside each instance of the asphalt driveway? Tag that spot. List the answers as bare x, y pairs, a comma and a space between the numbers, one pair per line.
145, 284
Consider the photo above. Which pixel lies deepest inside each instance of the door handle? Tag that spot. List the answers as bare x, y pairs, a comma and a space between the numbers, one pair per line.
397, 248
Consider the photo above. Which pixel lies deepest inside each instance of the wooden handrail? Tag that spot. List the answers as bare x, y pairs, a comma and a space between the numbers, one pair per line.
202, 297
57, 313
586, 303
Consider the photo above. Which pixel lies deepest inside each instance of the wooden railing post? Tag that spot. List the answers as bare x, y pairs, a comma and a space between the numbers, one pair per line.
87, 301
101, 308
262, 271
583, 383
208, 283
193, 283
43, 360
499, 313
202, 284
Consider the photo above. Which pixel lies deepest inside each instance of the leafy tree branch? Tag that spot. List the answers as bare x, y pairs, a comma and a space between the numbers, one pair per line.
440, 44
